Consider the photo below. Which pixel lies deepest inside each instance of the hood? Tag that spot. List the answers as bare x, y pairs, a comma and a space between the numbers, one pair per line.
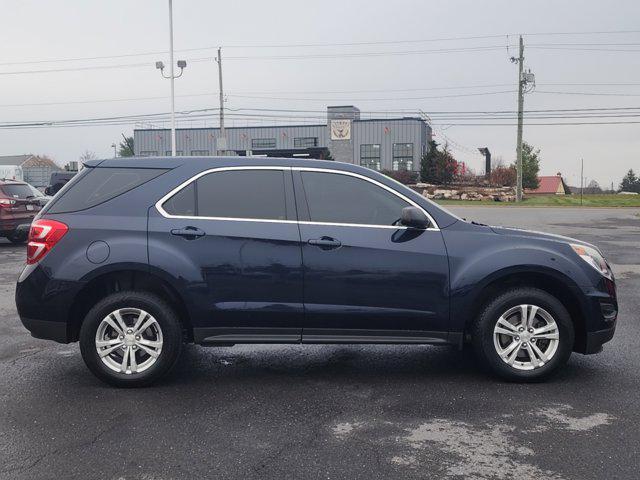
517, 232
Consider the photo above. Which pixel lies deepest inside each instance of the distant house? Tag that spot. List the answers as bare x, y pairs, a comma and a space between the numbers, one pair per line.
36, 170
550, 185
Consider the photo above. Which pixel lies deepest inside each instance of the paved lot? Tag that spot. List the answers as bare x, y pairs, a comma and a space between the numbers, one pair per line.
332, 412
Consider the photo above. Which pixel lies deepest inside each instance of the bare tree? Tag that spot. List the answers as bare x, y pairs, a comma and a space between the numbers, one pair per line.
88, 155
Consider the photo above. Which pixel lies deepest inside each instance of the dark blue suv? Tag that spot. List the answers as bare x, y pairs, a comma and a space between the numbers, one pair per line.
134, 257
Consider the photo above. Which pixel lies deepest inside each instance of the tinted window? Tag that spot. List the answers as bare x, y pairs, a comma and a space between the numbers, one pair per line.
242, 194
101, 184
336, 198
182, 203
17, 190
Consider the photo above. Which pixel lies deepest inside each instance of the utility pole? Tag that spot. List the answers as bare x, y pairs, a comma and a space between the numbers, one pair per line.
520, 114
222, 139
581, 179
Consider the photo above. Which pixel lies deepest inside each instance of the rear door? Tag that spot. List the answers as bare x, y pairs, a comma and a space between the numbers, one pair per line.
230, 239
366, 279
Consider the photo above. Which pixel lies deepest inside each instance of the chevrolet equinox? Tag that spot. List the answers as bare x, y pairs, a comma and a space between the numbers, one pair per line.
134, 257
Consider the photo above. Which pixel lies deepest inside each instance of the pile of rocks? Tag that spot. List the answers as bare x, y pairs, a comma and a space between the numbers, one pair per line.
462, 192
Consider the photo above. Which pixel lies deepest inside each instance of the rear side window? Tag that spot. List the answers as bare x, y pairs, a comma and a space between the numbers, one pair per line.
182, 203
247, 194
17, 190
101, 185
336, 198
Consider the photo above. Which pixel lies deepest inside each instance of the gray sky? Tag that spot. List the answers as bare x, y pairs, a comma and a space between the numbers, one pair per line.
483, 78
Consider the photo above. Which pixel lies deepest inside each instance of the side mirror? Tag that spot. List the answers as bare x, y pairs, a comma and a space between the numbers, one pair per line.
48, 191
414, 217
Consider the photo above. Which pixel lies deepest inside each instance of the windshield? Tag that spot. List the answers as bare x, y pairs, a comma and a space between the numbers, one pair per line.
17, 190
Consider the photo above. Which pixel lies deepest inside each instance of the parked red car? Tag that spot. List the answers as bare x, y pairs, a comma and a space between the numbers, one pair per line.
18, 206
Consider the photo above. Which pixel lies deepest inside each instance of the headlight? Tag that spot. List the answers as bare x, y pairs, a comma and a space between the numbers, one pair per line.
593, 258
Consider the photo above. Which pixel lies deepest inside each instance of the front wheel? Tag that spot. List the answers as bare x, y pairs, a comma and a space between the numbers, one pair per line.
130, 339
524, 334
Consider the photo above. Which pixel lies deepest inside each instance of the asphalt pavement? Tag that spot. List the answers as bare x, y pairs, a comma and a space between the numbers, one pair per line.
332, 412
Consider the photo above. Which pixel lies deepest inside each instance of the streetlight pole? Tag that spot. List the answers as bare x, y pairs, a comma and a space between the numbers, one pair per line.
173, 99
181, 65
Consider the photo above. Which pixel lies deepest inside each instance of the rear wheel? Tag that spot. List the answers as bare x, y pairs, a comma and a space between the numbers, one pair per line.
524, 334
17, 238
130, 339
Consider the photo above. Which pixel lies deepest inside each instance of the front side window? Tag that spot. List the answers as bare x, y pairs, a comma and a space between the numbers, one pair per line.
370, 156
263, 143
403, 156
237, 194
337, 198
305, 142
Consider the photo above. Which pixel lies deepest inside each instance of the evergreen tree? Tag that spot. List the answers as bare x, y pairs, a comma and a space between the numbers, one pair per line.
530, 166
630, 182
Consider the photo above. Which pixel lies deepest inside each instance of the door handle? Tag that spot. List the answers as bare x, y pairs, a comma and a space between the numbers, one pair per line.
325, 243
189, 233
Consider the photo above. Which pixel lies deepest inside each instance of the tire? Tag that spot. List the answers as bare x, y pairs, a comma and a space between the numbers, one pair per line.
554, 346
17, 239
153, 349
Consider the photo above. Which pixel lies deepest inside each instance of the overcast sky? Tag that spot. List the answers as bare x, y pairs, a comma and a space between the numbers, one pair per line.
472, 74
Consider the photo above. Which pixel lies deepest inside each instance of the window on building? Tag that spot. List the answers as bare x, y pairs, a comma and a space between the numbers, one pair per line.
178, 153
305, 142
263, 143
149, 153
199, 153
256, 194
338, 198
370, 156
403, 156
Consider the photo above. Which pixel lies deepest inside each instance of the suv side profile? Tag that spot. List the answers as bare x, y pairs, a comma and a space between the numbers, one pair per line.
18, 207
133, 258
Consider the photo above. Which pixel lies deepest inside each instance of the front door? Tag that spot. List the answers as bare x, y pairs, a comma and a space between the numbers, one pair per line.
365, 278
230, 241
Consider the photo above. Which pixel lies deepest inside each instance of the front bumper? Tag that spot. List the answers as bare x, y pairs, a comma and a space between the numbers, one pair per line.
595, 340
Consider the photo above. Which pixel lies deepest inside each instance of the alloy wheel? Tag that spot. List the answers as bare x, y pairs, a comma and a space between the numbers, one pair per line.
526, 337
129, 340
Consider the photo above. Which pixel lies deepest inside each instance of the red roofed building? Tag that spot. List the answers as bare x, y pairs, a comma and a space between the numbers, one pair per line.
550, 185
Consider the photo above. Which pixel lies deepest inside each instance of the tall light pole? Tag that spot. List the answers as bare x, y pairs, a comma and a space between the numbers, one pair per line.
115, 152
160, 66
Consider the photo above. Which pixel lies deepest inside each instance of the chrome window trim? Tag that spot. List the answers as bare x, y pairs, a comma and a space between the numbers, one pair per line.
167, 196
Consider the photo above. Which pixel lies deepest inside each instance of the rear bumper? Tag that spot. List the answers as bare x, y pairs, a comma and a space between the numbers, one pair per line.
47, 330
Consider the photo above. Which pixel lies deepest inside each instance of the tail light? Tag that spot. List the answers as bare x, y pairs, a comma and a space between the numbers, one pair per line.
43, 236
6, 202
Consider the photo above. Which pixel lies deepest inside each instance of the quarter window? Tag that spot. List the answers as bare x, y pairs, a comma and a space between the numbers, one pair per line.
263, 143
337, 198
248, 194
305, 142
403, 156
370, 156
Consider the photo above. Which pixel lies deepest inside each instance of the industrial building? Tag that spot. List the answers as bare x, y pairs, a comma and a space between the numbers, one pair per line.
381, 144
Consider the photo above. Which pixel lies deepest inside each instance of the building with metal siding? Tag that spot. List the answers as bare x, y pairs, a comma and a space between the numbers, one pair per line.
384, 144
